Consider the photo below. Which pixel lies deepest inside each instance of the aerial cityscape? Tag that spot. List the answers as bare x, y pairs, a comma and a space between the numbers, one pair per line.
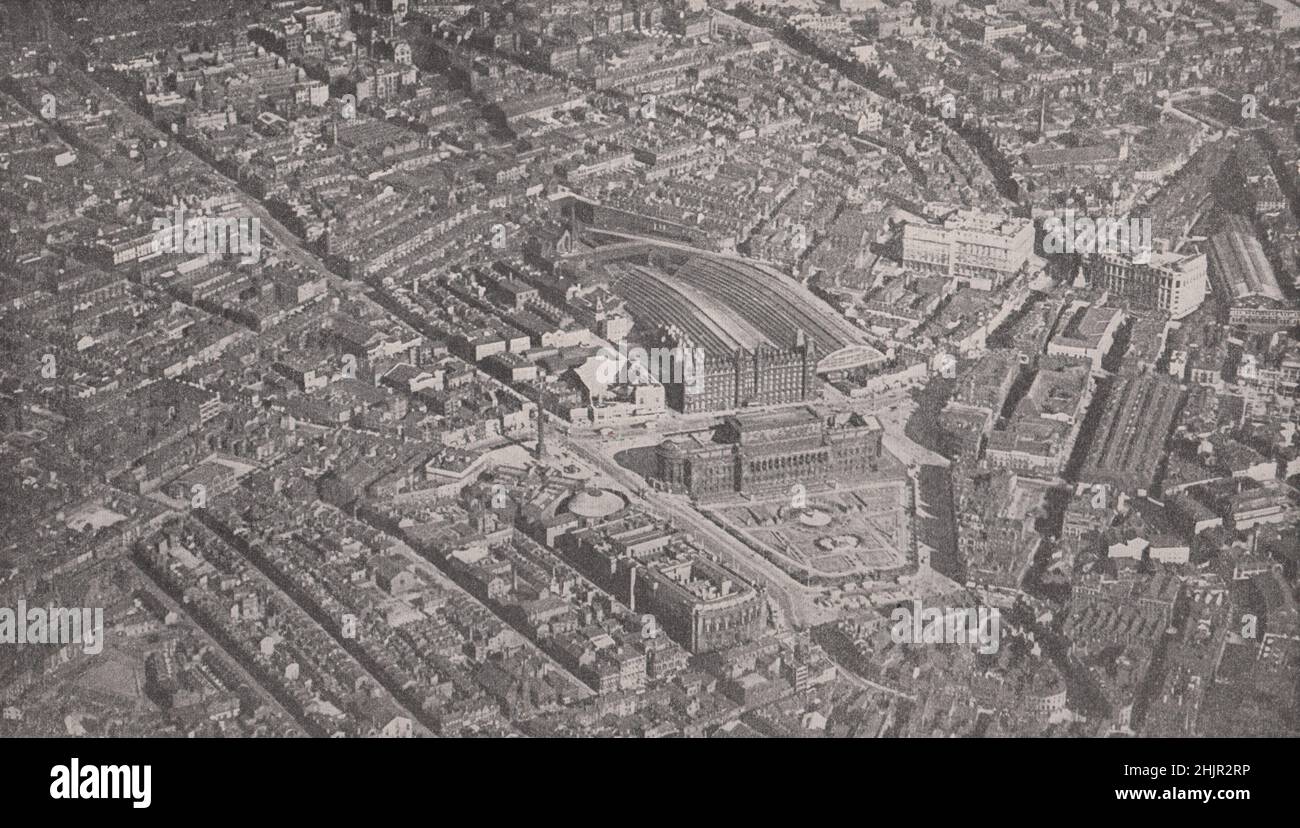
649, 368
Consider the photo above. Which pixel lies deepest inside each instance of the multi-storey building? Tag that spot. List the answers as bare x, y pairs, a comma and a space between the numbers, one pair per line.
765, 452
1260, 313
764, 376
126, 245
1030, 445
318, 19
699, 603
982, 249
1087, 333
1172, 282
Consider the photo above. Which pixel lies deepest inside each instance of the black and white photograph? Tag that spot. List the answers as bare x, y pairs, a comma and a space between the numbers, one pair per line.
650, 369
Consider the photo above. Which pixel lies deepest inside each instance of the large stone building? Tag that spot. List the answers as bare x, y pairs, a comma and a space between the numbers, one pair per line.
654, 569
1172, 282
766, 375
1086, 332
699, 603
981, 249
765, 452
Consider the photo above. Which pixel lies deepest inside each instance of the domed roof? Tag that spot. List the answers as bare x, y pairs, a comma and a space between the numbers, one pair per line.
595, 503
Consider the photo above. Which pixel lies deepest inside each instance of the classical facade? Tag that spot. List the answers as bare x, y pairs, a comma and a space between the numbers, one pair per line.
764, 452
699, 603
655, 569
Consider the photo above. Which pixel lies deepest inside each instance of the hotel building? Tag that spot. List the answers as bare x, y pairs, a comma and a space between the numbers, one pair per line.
981, 249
